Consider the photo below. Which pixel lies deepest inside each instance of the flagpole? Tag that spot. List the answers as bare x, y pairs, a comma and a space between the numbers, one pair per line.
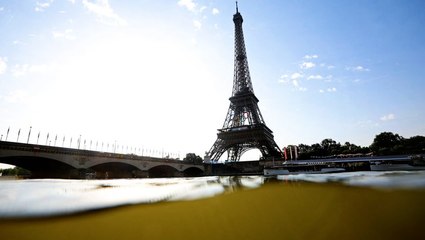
19, 132
7, 135
29, 133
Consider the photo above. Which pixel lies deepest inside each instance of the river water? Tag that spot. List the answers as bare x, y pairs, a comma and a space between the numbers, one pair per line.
56, 197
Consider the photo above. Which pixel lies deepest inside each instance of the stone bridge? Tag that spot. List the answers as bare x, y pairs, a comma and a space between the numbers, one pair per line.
56, 162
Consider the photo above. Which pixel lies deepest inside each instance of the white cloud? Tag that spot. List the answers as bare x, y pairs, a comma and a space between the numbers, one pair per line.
388, 117
194, 41
104, 12
1, 9
284, 78
328, 78
332, 89
24, 69
3, 65
202, 8
296, 75
189, 4
17, 42
315, 77
296, 84
41, 6
16, 96
307, 65
294, 80
197, 24
357, 69
67, 34
72, 1
314, 56
290, 78
215, 11
325, 65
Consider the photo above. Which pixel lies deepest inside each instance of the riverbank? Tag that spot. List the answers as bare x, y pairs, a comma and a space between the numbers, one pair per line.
272, 211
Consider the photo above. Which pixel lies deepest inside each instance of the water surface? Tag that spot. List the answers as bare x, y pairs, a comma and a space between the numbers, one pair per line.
53, 197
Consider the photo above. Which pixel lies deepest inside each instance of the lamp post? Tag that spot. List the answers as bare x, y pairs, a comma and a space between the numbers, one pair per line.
29, 133
19, 132
7, 135
79, 141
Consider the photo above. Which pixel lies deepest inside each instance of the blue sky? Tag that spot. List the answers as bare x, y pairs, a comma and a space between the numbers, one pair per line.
157, 75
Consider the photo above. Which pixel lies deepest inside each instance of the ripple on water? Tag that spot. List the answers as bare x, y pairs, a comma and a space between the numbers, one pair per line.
49, 197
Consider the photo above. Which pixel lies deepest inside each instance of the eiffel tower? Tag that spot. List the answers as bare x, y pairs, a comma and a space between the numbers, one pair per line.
244, 127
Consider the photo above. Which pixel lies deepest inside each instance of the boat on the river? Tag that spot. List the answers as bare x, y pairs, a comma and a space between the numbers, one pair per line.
412, 163
294, 168
386, 163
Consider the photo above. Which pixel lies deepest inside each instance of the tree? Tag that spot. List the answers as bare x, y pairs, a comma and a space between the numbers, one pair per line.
16, 171
192, 158
387, 143
304, 151
330, 147
414, 145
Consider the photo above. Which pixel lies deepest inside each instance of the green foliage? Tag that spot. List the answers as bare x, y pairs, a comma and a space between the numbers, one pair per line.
329, 148
192, 158
16, 171
386, 143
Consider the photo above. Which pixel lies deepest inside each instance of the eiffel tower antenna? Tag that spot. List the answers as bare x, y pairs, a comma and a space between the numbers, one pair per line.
244, 127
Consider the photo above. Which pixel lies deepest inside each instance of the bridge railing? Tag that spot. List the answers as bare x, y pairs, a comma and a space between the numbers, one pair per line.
71, 151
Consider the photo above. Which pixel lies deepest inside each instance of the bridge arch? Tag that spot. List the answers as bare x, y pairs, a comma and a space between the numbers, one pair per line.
193, 172
115, 170
42, 167
163, 171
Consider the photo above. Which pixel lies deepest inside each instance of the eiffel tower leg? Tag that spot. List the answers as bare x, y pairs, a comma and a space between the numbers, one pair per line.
235, 153
216, 150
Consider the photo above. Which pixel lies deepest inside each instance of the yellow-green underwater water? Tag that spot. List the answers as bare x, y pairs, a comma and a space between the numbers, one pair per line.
273, 210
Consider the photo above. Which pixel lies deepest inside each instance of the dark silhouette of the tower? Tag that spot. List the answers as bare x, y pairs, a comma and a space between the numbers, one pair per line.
244, 127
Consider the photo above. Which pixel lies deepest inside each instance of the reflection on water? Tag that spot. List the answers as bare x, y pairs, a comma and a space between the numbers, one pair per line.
47, 197
389, 179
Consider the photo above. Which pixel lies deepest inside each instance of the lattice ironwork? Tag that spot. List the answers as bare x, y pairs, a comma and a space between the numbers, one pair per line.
244, 127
